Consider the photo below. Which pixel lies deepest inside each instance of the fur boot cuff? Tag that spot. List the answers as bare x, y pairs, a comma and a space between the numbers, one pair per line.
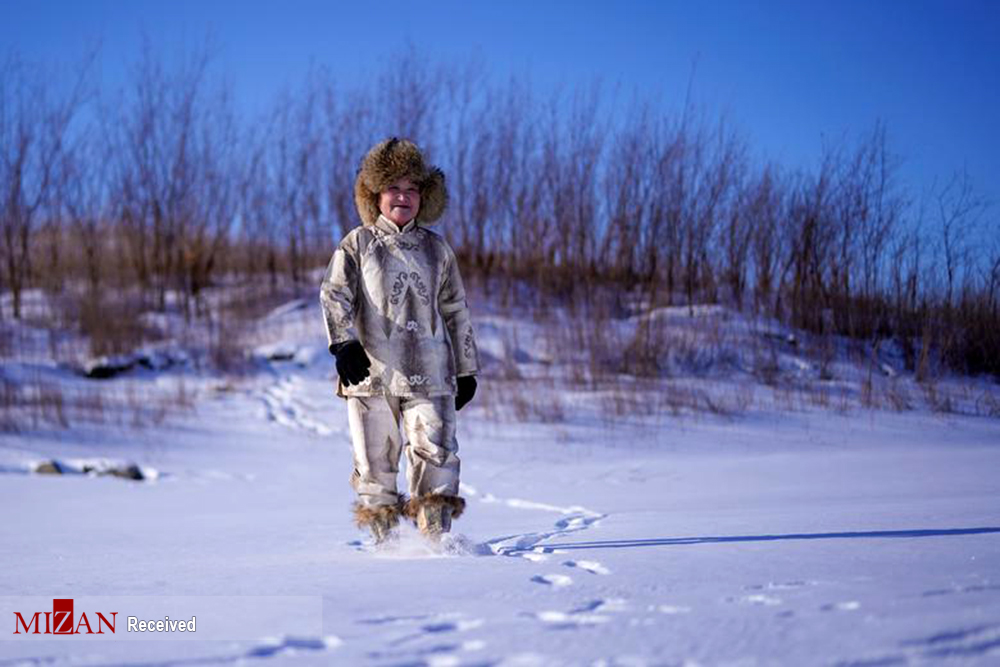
413, 505
366, 515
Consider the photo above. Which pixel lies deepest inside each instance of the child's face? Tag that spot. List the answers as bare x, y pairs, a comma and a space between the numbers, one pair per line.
400, 202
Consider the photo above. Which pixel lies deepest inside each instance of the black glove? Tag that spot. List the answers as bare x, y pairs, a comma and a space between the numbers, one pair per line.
466, 390
352, 362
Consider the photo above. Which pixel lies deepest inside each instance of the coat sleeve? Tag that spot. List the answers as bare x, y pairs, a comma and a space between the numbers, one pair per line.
455, 312
338, 293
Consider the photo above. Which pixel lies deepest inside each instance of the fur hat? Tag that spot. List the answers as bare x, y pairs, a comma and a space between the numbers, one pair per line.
386, 163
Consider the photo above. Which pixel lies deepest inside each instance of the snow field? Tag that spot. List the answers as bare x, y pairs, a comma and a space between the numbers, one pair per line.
803, 538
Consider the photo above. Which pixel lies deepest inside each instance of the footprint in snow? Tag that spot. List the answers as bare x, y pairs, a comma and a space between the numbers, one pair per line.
602, 605
777, 585
974, 588
535, 557
394, 620
282, 407
434, 655
578, 522
554, 580
575, 518
435, 626
292, 645
849, 605
591, 566
592, 613
460, 625
959, 645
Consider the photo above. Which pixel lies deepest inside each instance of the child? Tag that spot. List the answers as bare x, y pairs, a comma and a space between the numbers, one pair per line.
399, 326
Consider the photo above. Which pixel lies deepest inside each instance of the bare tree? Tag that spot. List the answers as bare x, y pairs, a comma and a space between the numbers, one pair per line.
297, 172
408, 95
551, 190
349, 132
762, 219
633, 214
214, 198
714, 177
257, 211
959, 210
157, 165
993, 279
469, 149
83, 182
176, 149
36, 119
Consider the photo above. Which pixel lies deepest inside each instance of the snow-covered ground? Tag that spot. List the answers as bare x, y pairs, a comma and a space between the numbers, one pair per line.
804, 537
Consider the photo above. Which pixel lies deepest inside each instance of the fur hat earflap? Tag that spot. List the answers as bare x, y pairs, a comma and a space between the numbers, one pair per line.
413, 505
366, 515
386, 163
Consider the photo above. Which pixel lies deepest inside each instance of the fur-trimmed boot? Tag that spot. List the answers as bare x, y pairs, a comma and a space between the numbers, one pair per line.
381, 520
433, 513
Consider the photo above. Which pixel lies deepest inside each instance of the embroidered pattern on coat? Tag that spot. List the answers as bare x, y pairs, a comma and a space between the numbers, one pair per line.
342, 322
468, 345
412, 327
381, 239
404, 280
394, 288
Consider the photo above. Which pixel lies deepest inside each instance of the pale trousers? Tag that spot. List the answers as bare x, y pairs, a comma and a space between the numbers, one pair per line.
431, 452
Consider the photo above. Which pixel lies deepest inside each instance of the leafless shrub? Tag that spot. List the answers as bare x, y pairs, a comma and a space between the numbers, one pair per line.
765, 363
89, 407
623, 397
545, 407
7, 346
937, 399
52, 404
559, 202
819, 396
508, 363
226, 347
826, 353
744, 397
9, 422
37, 403
182, 397
112, 326
489, 397
897, 396
988, 403
867, 388
783, 397
679, 398
507, 400
717, 405
36, 120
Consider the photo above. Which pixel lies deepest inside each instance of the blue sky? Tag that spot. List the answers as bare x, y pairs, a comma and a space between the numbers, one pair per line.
786, 73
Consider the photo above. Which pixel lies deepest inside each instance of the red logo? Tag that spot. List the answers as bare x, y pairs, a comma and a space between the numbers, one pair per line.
62, 615
59, 621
